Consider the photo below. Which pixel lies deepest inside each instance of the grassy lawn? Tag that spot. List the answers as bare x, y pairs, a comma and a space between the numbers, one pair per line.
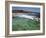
19, 24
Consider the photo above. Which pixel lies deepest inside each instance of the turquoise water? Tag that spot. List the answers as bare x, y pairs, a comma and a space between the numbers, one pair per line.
19, 24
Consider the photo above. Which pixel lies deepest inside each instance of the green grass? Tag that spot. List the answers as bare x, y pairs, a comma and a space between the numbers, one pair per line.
19, 24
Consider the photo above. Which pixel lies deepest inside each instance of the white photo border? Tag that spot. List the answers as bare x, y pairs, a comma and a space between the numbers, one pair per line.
24, 32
